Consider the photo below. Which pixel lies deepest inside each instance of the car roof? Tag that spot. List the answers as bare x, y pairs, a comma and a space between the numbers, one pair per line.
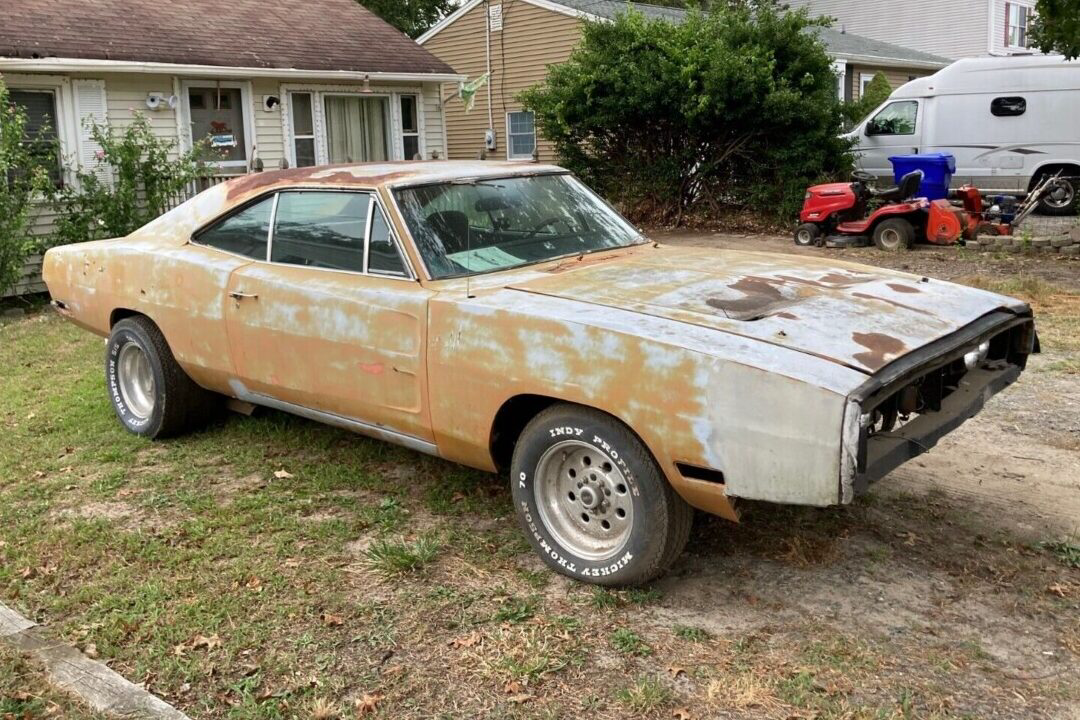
389, 174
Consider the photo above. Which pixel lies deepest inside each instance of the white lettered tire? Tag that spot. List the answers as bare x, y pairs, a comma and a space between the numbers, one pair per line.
149, 391
592, 501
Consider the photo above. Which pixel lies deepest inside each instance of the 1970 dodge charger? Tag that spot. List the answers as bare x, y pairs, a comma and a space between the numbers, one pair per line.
505, 317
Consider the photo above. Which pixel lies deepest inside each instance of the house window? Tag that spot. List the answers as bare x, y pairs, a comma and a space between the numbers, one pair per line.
356, 128
1016, 25
40, 133
217, 115
410, 128
521, 135
864, 80
303, 129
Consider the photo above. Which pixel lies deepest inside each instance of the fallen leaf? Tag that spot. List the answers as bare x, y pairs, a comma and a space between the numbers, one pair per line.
282, 474
512, 686
332, 620
201, 641
681, 714
27, 573
520, 698
367, 703
179, 650
254, 583
466, 640
90, 651
1058, 589
675, 670
39, 474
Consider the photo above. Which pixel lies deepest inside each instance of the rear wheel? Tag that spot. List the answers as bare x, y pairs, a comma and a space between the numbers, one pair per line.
1061, 198
592, 501
894, 234
807, 234
150, 393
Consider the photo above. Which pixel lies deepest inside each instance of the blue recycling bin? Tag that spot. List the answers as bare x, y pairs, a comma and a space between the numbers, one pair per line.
938, 169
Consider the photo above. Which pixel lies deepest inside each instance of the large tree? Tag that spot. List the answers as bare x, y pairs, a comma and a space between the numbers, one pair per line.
411, 17
735, 108
1057, 27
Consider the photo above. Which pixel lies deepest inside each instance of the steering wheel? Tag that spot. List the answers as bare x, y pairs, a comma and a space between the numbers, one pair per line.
546, 222
863, 176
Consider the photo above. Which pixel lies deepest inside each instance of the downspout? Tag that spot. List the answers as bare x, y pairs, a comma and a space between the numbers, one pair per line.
487, 43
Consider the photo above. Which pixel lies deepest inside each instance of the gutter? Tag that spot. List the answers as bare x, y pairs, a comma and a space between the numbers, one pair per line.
81, 65
888, 61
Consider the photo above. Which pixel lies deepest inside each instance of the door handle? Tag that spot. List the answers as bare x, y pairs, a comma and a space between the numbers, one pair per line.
241, 295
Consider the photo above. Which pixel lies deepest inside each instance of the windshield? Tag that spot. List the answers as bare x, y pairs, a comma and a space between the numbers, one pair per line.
466, 227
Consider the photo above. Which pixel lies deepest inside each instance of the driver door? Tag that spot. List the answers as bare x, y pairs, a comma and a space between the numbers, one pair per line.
892, 130
335, 321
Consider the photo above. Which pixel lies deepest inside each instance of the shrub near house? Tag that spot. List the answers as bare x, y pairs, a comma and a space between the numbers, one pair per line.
736, 108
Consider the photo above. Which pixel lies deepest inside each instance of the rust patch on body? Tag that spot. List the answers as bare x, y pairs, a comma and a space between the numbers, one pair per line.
787, 316
894, 303
903, 288
880, 349
339, 175
831, 281
761, 296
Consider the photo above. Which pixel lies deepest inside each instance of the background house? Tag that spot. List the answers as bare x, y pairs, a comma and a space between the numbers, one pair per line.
517, 39
293, 82
955, 29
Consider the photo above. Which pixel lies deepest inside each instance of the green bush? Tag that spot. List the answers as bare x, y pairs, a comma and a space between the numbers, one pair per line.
23, 175
877, 91
142, 182
731, 109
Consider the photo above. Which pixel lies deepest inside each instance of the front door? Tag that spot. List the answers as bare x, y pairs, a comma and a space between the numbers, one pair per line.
893, 130
334, 321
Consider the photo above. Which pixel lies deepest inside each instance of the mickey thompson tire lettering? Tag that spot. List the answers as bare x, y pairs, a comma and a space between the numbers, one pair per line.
660, 519
179, 403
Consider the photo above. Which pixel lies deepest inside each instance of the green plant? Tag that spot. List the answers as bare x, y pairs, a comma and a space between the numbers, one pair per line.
693, 634
397, 557
876, 92
516, 610
1056, 27
23, 174
645, 695
629, 642
139, 176
727, 110
1066, 551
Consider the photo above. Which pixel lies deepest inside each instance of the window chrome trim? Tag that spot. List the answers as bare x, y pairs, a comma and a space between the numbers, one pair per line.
270, 232
410, 272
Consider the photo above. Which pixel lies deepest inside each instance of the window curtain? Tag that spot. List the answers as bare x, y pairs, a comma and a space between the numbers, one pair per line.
356, 129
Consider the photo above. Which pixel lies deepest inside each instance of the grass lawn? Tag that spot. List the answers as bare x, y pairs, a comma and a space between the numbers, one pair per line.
270, 567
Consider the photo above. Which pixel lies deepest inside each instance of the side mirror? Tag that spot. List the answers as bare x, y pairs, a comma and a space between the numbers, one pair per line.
872, 128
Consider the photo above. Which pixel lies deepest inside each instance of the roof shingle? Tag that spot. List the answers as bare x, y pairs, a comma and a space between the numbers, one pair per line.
296, 34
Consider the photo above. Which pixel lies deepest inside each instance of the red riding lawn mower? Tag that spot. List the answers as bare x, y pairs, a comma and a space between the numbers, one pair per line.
835, 214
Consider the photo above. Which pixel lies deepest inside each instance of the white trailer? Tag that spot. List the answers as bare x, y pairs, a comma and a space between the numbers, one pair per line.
1008, 121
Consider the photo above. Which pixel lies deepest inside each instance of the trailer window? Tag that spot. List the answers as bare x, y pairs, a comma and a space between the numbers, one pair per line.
1008, 106
896, 118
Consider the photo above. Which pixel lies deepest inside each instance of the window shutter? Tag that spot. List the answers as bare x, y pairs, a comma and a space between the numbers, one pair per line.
1006, 23
90, 105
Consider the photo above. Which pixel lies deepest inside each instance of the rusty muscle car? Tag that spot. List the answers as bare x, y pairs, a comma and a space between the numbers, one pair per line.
503, 316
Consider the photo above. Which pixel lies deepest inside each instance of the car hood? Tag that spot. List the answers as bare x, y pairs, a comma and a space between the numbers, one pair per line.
858, 316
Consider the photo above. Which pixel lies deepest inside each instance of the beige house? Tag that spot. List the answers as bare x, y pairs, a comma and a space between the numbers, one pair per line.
289, 83
516, 40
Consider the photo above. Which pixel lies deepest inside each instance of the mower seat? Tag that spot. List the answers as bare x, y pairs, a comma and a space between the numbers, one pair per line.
909, 185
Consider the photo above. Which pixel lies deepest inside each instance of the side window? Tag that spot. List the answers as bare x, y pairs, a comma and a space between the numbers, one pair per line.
1008, 106
321, 229
896, 118
383, 255
243, 233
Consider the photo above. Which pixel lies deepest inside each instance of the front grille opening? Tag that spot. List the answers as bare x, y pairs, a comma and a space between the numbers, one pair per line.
693, 472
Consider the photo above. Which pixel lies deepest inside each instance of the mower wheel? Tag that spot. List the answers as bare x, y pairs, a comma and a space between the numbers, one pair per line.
894, 234
985, 228
807, 234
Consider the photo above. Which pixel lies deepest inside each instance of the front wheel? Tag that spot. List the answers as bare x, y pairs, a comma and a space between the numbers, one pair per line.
807, 234
592, 501
894, 234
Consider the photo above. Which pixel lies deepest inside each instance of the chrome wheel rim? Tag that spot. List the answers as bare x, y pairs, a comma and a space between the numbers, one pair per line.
803, 237
890, 238
136, 380
1060, 195
584, 500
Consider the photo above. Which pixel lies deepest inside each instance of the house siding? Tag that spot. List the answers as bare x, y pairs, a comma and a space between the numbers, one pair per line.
952, 29
895, 76
531, 39
126, 95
